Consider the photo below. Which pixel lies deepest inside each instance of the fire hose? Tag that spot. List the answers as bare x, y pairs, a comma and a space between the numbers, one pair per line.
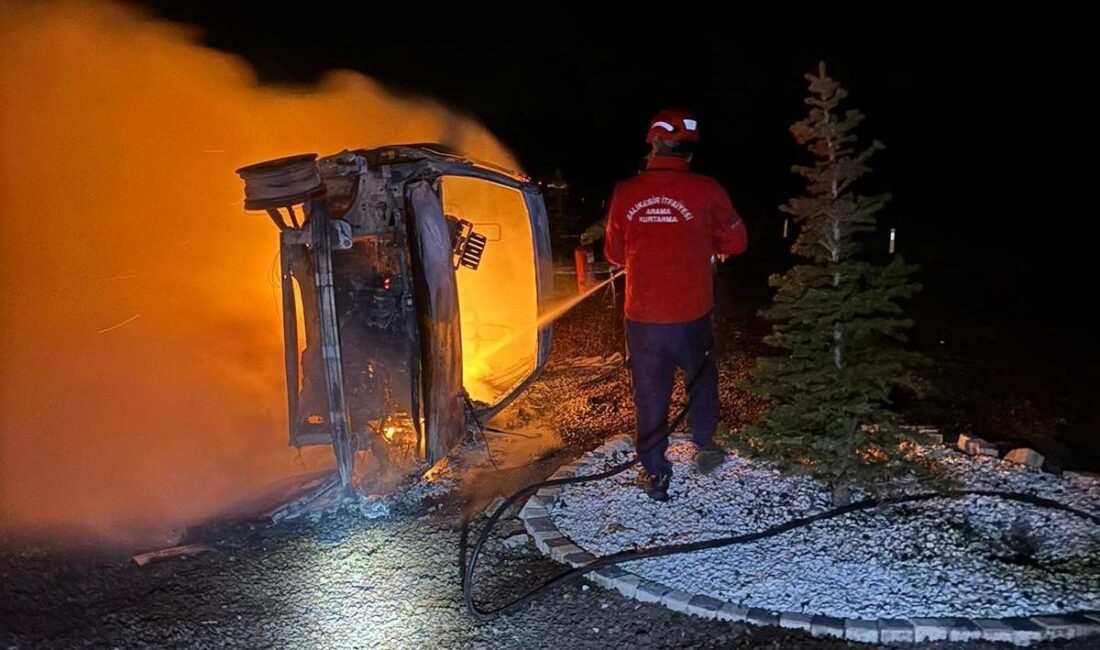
468, 568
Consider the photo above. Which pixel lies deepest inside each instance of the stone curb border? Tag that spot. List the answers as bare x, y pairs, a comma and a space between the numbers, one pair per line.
535, 515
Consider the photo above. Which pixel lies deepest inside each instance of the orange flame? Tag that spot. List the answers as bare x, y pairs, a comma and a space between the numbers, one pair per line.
141, 379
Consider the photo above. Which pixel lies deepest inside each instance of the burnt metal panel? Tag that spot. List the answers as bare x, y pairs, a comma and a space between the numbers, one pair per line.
440, 328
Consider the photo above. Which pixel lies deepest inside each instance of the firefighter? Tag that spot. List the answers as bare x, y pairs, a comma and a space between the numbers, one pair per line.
666, 225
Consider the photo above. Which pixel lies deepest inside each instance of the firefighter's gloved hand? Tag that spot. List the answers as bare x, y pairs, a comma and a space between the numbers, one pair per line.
615, 270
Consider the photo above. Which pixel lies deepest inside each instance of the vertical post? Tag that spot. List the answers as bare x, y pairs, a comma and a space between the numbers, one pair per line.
290, 332
893, 238
318, 220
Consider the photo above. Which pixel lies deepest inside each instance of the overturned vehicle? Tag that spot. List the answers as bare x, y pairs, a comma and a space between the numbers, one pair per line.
411, 284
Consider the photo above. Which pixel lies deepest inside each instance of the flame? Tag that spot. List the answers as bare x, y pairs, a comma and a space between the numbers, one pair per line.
141, 375
499, 301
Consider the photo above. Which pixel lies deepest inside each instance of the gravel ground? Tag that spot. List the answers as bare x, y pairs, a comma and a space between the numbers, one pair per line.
344, 583
393, 582
974, 557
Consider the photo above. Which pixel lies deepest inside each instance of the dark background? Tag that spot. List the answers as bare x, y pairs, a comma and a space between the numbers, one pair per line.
980, 112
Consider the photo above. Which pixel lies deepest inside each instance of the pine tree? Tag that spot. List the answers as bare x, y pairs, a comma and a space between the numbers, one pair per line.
837, 317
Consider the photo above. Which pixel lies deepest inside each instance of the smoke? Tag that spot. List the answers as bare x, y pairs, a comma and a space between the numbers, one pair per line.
141, 380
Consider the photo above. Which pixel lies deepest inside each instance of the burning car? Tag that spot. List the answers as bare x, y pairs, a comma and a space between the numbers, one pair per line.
412, 279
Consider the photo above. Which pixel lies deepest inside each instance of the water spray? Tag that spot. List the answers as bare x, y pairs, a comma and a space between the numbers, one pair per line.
548, 316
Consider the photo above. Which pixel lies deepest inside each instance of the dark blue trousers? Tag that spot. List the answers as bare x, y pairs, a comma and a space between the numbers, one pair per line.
655, 351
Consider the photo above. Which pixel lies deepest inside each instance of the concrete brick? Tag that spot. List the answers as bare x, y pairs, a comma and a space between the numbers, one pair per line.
539, 524
761, 617
651, 592
677, 600
544, 539
861, 630
827, 626
795, 621
628, 585
579, 559
532, 512
1024, 632
704, 606
1025, 456
606, 576
1091, 616
550, 493
963, 629
896, 630
1083, 625
994, 629
559, 553
930, 629
558, 540
976, 446
931, 435
731, 612
1055, 627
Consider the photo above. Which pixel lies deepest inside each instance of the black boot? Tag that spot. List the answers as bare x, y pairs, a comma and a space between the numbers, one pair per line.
708, 458
655, 485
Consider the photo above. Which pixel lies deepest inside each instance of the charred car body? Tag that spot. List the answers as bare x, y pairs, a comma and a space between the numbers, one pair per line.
411, 284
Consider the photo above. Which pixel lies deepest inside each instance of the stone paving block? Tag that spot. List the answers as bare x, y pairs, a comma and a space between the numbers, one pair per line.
930, 629
558, 553
543, 539
1055, 627
976, 446
627, 585
533, 512
550, 493
731, 612
827, 626
651, 592
861, 630
540, 523
677, 600
1026, 457
555, 541
704, 606
580, 559
963, 629
795, 621
761, 617
1083, 625
994, 629
606, 576
896, 630
1024, 632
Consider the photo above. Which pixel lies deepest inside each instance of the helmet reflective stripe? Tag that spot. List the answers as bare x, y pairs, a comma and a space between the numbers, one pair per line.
664, 125
690, 124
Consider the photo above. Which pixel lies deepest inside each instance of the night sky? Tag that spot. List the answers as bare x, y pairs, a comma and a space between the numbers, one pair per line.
979, 113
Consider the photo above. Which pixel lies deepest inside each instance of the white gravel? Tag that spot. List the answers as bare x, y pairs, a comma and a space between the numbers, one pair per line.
946, 557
